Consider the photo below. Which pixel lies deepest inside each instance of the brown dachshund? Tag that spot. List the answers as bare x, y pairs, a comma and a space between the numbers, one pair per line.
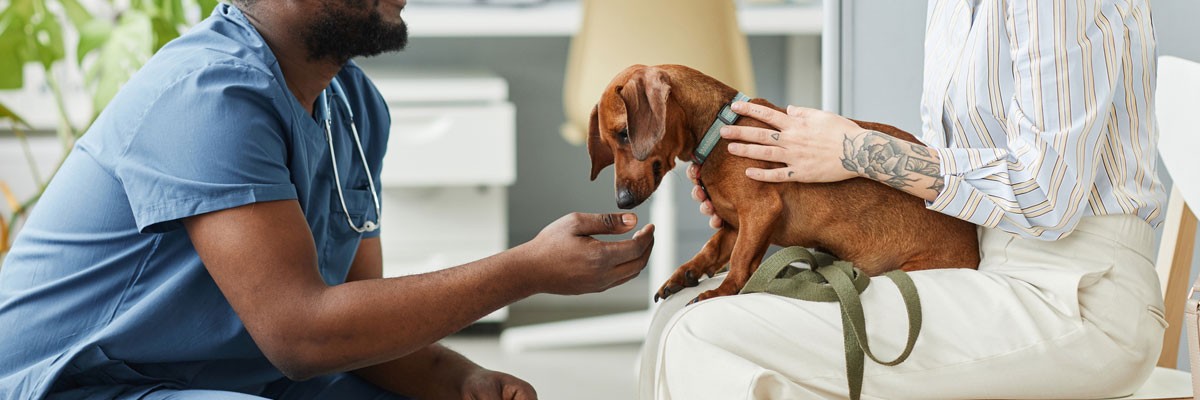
649, 116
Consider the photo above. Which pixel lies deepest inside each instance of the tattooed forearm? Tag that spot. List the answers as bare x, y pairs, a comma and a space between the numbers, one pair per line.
892, 161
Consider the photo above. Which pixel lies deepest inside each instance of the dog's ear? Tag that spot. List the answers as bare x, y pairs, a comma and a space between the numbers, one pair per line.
601, 155
646, 103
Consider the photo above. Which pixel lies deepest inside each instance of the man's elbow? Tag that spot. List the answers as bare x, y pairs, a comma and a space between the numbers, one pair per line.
298, 359
297, 346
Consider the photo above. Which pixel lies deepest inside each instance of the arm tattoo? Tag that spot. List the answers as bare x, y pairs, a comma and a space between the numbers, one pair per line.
889, 160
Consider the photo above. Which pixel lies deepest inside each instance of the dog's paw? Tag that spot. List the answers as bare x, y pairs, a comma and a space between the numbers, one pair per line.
718, 292
680, 279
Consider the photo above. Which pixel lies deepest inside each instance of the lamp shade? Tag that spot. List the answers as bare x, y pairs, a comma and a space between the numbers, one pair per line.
614, 34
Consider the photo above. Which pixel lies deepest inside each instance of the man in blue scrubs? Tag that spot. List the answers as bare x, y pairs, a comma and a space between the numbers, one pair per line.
195, 243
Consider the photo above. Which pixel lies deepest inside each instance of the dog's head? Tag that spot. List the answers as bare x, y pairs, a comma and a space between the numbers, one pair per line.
635, 126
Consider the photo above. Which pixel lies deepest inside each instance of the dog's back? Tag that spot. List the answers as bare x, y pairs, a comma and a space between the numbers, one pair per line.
875, 226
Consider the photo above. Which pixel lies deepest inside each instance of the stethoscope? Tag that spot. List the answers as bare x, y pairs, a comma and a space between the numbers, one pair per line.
323, 112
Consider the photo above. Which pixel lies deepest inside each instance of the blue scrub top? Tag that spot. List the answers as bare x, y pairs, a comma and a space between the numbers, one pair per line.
103, 287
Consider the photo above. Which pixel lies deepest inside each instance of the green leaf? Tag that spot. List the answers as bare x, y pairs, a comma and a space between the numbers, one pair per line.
47, 39
178, 14
207, 7
14, 45
127, 49
165, 31
76, 13
7, 113
92, 35
12, 69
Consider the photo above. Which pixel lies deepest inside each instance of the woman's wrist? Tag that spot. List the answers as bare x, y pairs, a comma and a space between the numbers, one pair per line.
906, 166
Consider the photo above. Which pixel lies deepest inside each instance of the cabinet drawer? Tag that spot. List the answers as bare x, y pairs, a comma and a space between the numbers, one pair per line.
451, 145
427, 229
430, 214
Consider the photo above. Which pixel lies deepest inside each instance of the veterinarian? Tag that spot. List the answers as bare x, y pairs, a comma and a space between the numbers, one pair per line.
215, 235
1038, 127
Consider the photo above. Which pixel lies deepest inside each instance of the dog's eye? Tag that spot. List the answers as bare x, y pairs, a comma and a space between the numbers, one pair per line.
623, 135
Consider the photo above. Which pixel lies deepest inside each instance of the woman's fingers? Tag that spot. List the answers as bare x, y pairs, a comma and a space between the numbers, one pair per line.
770, 175
765, 153
765, 114
698, 194
693, 173
800, 111
751, 134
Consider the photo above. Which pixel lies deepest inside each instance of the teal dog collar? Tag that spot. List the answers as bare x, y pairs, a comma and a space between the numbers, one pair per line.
724, 117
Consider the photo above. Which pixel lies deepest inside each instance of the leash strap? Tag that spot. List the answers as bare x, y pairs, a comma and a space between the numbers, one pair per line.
831, 280
724, 117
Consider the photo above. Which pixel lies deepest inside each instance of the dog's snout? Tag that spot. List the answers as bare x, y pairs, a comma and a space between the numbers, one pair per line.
625, 199
657, 170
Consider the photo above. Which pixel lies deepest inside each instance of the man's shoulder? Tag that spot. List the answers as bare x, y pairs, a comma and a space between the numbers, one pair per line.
223, 46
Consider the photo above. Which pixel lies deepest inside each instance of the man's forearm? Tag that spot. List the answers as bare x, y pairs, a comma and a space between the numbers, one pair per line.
368, 322
433, 372
905, 166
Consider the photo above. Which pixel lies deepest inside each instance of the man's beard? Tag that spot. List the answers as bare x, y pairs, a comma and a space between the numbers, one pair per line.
349, 28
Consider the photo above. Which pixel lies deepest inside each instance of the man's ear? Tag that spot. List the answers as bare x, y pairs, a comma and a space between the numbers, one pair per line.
646, 103
601, 155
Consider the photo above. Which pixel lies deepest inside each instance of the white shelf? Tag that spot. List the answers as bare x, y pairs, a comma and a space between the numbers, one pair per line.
563, 18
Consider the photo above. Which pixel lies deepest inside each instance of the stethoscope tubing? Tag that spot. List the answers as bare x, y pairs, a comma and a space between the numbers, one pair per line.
325, 114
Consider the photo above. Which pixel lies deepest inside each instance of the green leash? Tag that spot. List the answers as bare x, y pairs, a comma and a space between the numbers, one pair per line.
832, 280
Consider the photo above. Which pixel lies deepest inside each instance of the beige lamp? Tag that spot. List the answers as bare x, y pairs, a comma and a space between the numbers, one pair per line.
614, 34
702, 34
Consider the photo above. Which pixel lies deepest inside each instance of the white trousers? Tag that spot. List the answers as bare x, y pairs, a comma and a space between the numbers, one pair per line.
1080, 317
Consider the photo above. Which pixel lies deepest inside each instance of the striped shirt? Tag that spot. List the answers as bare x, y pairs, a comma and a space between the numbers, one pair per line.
1042, 112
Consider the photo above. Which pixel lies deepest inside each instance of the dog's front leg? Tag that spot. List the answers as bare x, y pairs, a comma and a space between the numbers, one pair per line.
757, 223
708, 261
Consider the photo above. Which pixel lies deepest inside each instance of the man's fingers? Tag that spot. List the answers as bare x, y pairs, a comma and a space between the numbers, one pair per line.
693, 172
520, 390
629, 270
698, 194
770, 175
626, 250
585, 224
751, 134
762, 113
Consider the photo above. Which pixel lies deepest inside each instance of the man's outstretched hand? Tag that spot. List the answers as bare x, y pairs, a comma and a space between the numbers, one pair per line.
565, 259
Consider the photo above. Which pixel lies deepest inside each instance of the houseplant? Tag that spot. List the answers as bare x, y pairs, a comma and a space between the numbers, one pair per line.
114, 39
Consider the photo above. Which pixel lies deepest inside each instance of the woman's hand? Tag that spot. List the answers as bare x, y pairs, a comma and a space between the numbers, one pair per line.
812, 143
698, 194
819, 146
809, 141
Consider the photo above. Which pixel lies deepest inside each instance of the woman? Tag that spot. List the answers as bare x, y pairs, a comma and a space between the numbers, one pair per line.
1038, 127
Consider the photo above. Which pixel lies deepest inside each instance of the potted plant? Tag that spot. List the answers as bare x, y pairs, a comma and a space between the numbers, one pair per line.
115, 38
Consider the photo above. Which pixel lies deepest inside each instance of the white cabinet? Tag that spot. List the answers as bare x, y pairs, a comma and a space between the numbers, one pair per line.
450, 145
450, 158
